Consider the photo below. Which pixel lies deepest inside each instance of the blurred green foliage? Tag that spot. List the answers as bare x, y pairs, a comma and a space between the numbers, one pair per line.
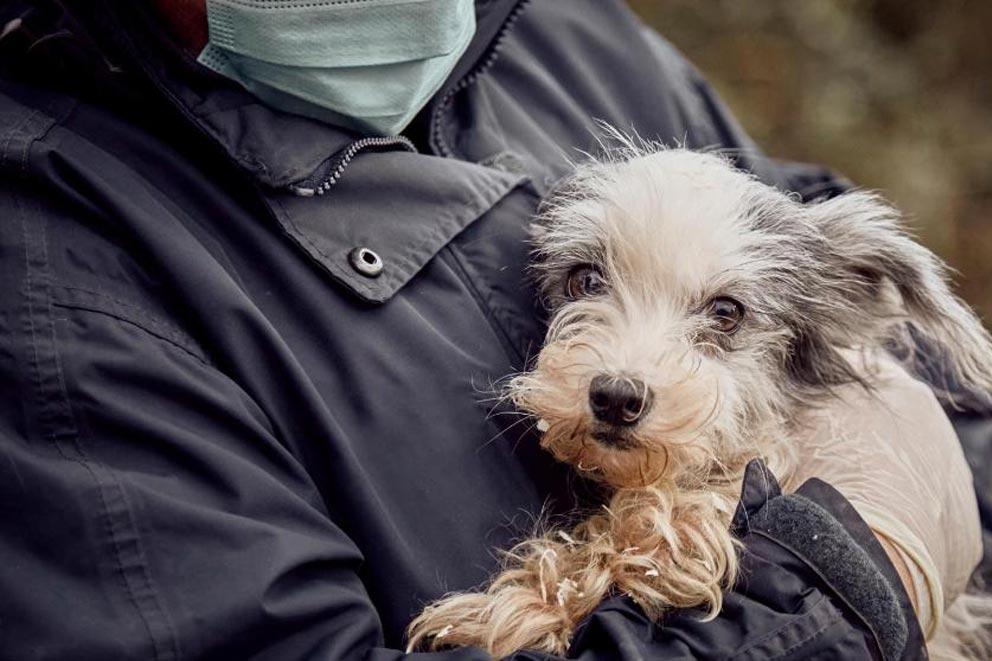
896, 94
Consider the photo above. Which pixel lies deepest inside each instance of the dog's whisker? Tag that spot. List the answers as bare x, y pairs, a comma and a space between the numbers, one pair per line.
496, 414
504, 432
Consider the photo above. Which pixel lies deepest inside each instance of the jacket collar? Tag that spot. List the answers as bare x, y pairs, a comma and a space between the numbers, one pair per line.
297, 161
277, 149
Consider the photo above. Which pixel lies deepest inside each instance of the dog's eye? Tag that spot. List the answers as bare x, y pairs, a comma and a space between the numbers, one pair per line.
726, 313
584, 280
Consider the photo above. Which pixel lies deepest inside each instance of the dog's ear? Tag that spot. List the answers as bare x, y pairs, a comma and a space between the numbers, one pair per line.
885, 288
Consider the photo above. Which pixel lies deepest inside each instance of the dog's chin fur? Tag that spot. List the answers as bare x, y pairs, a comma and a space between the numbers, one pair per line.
670, 230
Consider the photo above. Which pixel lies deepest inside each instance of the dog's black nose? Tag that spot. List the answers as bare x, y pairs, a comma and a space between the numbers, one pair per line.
619, 400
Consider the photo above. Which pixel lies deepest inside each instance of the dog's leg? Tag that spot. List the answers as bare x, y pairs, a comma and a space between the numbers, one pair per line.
549, 586
673, 549
664, 548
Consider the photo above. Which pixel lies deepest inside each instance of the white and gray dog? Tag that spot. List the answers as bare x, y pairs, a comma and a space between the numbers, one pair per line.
697, 313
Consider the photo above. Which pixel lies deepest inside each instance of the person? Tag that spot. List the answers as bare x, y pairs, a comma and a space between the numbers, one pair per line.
254, 304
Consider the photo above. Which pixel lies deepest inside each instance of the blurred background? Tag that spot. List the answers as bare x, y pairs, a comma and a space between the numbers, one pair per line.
896, 94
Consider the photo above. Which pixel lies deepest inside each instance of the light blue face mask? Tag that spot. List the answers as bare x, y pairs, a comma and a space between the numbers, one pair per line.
367, 64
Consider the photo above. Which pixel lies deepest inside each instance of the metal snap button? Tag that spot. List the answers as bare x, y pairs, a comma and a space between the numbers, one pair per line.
365, 261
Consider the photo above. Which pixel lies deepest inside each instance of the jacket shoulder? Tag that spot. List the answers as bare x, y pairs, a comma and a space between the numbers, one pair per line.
26, 115
67, 230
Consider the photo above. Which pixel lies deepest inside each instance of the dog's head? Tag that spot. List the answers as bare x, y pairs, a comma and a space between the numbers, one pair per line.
693, 308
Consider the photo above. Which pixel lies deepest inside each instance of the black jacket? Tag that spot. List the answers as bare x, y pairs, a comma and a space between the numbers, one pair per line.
219, 439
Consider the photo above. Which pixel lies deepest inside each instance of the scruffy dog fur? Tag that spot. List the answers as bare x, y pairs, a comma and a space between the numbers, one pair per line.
696, 313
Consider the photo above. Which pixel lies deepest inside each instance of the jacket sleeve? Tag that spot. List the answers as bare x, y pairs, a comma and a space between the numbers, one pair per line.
148, 508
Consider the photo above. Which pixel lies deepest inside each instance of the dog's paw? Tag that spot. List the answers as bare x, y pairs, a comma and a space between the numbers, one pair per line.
515, 618
457, 620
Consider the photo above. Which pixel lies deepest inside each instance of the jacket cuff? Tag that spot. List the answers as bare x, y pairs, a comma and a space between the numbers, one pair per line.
819, 526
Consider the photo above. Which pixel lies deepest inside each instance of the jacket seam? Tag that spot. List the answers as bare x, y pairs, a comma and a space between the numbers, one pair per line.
43, 345
15, 133
136, 316
131, 322
868, 625
487, 311
22, 131
804, 640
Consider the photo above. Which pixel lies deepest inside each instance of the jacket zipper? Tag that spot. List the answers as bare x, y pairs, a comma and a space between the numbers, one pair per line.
436, 140
333, 168
328, 174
